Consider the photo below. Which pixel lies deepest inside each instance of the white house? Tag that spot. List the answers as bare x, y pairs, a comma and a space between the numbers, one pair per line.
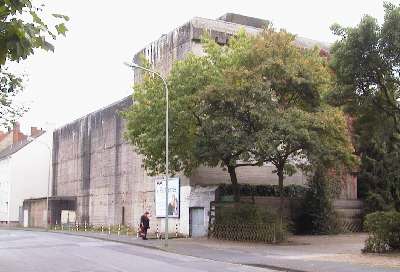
25, 170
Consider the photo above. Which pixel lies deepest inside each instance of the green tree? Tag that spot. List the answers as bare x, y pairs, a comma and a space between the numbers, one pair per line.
257, 100
317, 214
22, 30
216, 103
10, 86
306, 140
300, 128
379, 148
366, 61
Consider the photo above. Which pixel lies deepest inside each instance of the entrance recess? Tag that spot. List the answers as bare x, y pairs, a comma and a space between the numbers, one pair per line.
196, 223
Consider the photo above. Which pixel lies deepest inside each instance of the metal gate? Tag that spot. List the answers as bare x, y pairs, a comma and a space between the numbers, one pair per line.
196, 223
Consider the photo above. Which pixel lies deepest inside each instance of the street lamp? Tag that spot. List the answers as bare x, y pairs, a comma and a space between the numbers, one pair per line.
30, 138
136, 66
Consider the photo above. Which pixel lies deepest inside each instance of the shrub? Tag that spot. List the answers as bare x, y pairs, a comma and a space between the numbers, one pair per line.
384, 232
375, 202
318, 215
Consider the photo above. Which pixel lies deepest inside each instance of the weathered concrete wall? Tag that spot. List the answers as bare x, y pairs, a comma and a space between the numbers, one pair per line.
36, 212
246, 175
174, 46
109, 188
162, 53
92, 161
68, 157
244, 20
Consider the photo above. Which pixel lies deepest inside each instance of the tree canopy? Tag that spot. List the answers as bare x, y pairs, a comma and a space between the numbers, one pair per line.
24, 27
366, 60
259, 99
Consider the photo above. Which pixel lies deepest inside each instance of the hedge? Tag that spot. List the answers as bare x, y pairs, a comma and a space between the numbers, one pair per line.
292, 191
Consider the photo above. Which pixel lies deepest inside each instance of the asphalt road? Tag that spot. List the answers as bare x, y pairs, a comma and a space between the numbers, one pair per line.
26, 251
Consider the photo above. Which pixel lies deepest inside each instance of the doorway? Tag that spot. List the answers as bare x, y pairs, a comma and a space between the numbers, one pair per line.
197, 227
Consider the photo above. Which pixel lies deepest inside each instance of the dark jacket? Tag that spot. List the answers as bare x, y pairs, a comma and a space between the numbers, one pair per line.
145, 222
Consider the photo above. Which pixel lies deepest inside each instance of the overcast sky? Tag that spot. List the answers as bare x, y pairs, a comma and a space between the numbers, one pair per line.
86, 71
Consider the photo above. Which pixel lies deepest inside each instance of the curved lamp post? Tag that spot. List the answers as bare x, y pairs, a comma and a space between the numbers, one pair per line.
136, 66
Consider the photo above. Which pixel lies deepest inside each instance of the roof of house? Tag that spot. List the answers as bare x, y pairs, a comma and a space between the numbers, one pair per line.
16, 147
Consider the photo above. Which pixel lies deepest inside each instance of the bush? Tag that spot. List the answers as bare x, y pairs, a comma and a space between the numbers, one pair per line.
318, 215
384, 232
292, 191
375, 202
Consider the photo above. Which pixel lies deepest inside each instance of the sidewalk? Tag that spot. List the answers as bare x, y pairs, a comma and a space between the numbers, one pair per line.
339, 253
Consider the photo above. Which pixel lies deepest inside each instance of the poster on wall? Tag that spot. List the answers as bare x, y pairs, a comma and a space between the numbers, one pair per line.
173, 197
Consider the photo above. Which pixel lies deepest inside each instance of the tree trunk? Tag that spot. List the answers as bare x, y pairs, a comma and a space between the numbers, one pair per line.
235, 185
280, 178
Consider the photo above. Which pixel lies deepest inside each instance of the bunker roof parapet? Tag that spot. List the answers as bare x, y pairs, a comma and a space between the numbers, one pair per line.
228, 23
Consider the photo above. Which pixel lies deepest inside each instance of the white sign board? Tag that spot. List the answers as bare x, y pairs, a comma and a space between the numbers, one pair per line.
67, 217
26, 219
173, 197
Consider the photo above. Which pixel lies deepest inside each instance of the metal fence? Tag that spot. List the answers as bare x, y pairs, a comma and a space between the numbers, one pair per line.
351, 225
268, 233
